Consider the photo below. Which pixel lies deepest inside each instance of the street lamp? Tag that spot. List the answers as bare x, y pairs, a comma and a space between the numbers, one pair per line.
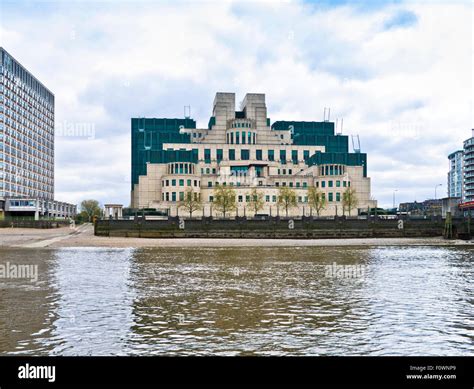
396, 190
436, 187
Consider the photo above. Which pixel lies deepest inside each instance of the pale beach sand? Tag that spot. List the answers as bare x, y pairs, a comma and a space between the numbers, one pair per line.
83, 236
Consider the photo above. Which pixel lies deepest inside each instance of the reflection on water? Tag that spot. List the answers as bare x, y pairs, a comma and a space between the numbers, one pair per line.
228, 301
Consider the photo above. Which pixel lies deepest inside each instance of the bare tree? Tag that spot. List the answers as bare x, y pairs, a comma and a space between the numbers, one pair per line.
224, 199
256, 201
349, 200
192, 202
316, 199
286, 198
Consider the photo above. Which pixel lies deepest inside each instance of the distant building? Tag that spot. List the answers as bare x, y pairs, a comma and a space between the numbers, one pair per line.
451, 204
469, 169
242, 149
113, 211
430, 207
455, 174
26, 144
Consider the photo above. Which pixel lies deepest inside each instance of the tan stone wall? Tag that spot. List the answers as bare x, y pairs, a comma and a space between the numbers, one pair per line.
150, 195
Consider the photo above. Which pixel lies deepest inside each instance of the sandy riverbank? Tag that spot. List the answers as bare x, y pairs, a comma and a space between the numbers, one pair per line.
83, 236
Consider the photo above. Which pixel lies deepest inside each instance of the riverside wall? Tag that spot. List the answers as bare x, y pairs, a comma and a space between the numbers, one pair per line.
273, 228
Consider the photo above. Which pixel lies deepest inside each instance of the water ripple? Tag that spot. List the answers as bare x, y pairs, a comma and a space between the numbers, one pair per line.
240, 301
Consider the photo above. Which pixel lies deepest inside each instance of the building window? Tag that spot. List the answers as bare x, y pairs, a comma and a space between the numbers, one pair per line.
195, 183
305, 184
247, 198
240, 199
173, 182
167, 182
167, 196
267, 198
344, 184
291, 185
181, 182
258, 155
283, 156
231, 154
237, 138
211, 199
290, 171
189, 182
274, 198
338, 184
294, 156
330, 196
271, 155
338, 196
173, 196
232, 138
181, 196
297, 184
207, 155
245, 154
305, 154
219, 154
300, 199
330, 183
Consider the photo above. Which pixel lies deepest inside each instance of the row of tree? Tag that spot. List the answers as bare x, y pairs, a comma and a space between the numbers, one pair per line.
224, 200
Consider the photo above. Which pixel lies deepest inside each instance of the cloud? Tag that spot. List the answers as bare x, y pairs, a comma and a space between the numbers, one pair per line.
399, 73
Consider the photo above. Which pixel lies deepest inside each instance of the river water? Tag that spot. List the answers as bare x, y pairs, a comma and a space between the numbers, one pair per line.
240, 301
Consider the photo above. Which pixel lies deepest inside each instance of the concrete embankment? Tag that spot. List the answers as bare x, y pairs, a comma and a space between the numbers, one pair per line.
270, 229
83, 236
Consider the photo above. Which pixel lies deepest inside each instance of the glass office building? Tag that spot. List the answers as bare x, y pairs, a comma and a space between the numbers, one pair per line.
26, 140
26, 133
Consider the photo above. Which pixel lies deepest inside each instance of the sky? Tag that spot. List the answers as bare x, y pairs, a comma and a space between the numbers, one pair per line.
400, 74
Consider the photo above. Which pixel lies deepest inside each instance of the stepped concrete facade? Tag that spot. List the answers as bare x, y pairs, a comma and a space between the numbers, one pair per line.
241, 149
